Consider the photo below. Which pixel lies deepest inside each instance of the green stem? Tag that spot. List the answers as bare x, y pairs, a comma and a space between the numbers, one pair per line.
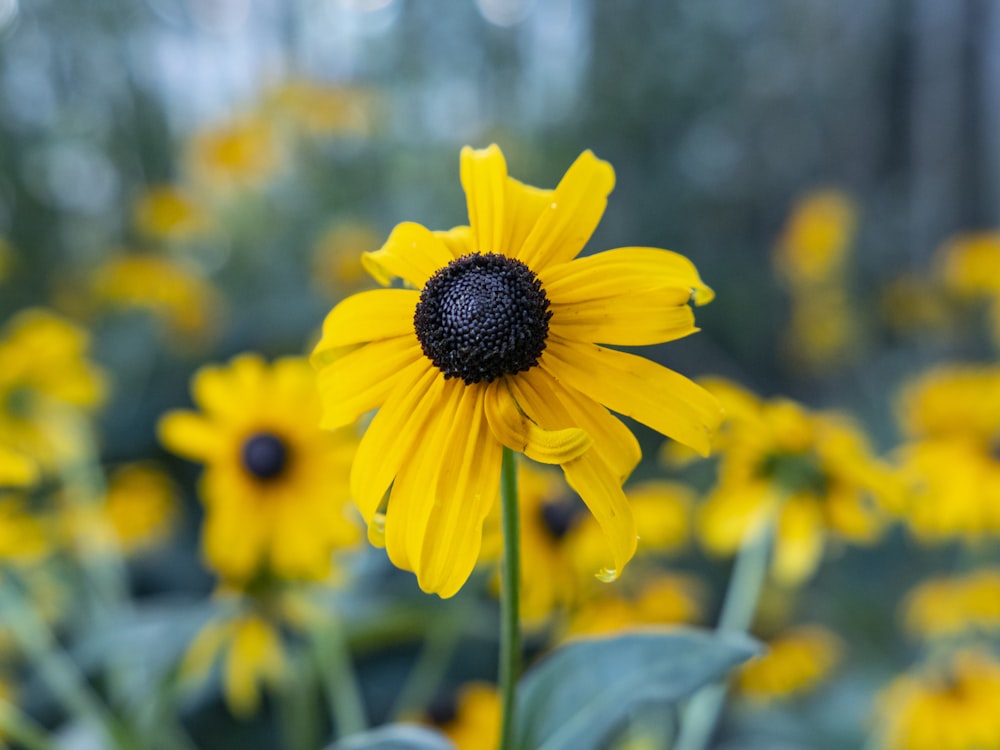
738, 608
17, 726
510, 633
333, 656
431, 664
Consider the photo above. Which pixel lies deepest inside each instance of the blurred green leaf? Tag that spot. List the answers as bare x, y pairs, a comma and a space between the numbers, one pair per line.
576, 697
395, 737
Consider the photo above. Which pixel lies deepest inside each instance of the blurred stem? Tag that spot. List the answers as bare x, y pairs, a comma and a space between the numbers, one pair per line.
333, 657
510, 633
427, 673
60, 674
746, 582
297, 706
17, 726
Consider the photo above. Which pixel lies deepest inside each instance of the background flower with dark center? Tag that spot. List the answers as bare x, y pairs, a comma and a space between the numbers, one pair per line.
275, 486
496, 346
813, 471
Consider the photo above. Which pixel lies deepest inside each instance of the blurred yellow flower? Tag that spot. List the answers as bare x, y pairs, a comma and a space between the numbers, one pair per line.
43, 368
337, 266
472, 720
322, 109
243, 153
816, 237
970, 264
915, 305
252, 654
16, 469
812, 472
275, 486
24, 538
949, 706
952, 416
794, 662
178, 295
946, 607
496, 346
823, 330
660, 599
170, 213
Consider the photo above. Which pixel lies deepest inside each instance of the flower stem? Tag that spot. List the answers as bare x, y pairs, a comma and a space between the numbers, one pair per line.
510, 633
738, 608
333, 656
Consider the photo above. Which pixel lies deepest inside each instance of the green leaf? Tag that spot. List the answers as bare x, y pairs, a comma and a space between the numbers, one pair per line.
577, 696
395, 737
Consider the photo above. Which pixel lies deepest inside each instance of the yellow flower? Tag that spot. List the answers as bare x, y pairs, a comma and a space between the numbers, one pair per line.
952, 415
823, 328
472, 721
43, 367
949, 707
915, 305
250, 649
337, 257
970, 264
275, 486
16, 469
661, 599
495, 347
168, 212
951, 606
178, 295
816, 237
814, 471
322, 109
242, 153
794, 662
23, 537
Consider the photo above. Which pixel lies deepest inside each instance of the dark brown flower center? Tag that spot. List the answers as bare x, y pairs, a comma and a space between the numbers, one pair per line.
481, 317
265, 455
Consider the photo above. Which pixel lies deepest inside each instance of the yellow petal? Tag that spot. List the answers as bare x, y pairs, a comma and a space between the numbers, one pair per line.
361, 380
577, 205
16, 469
191, 435
594, 482
223, 390
458, 240
636, 387
638, 319
412, 253
524, 204
623, 271
393, 432
556, 406
255, 656
202, 652
415, 491
799, 541
468, 488
513, 428
484, 177
368, 316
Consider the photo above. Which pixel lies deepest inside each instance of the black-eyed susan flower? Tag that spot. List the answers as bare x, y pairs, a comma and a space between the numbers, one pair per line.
275, 485
44, 369
795, 662
951, 416
498, 344
948, 607
950, 705
170, 213
811, 472
816, 237
969, 265
470, 718
243, 153
171, 291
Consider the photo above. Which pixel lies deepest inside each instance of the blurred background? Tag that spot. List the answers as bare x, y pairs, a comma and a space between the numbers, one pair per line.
186, 180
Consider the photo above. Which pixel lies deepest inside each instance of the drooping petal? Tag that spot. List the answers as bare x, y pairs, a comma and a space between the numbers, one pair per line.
578, 203
513, 428
556, 406
637, 387
392, 434
412, 253
638, 319
484, 178
414, 493
623, 271
191, 435
468, 488
361, 380
597, 486
367, 316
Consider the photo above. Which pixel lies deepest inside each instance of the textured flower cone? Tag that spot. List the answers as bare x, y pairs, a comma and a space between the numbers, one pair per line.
498, 344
